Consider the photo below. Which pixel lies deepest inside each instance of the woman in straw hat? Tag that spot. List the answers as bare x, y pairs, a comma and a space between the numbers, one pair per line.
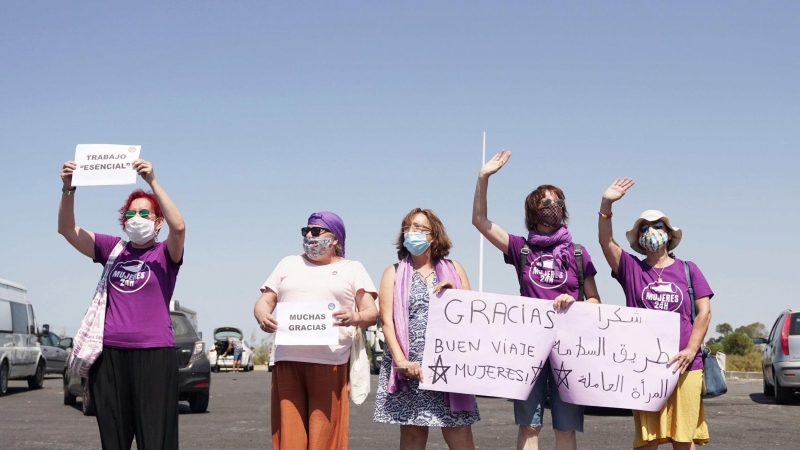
659, 281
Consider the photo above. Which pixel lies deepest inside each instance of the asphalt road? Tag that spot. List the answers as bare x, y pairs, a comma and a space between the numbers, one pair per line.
239, 412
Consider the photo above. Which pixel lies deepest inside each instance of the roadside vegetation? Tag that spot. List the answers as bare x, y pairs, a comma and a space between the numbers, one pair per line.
740, 353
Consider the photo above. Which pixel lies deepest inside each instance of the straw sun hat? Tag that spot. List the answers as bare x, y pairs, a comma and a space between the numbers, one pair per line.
652, 215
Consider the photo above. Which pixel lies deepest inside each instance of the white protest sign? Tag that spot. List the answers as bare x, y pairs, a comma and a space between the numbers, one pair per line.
306, 323
488, 344
615, 356
105, 164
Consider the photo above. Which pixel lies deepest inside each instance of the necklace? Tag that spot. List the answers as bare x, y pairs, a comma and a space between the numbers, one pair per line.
659, 274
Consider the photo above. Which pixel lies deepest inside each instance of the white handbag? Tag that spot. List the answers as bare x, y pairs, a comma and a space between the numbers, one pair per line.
359, 368
88, 343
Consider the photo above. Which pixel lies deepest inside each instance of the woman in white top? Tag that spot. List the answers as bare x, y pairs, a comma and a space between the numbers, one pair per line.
310, 409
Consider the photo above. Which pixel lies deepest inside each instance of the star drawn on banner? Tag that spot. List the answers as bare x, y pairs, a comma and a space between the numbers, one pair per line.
561, 376
439, 371
537, 371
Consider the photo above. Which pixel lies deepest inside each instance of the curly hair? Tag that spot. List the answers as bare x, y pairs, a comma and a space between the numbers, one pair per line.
440, 243
532, 204
138, 193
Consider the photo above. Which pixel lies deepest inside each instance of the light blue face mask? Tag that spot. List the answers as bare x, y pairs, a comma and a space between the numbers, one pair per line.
416, 243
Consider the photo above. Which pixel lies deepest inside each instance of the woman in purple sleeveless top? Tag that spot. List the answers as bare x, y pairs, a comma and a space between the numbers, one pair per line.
134, 382
550, 272
405, 293
660, 282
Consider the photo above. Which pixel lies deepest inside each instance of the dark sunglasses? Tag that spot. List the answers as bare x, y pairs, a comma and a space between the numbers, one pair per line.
142, 212
315, 231
646, 226
548, 201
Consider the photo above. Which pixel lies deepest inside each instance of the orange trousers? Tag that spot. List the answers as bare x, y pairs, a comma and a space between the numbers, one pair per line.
310, 406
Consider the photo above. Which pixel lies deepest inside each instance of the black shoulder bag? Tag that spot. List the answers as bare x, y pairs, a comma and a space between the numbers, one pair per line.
713, 378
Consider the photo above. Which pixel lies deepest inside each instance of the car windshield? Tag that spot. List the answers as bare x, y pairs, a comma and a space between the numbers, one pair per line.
794, 330
181, 327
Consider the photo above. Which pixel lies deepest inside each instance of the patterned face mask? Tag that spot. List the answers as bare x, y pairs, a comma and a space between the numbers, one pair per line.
551, 215
314, 247
653, 240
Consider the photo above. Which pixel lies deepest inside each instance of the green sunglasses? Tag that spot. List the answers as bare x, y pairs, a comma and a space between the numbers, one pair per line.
142, 212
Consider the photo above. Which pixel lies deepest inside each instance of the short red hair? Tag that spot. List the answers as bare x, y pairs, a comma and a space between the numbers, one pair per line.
137, 194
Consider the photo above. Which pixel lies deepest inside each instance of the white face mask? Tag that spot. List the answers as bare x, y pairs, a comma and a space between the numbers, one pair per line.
140, 230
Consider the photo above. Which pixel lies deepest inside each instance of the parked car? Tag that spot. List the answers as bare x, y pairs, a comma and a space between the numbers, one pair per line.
220, 359
55, 356
377, 345
780, 362
194, 370
20, 354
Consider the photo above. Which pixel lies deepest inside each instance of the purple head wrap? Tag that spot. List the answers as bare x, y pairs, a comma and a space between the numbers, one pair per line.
330, 221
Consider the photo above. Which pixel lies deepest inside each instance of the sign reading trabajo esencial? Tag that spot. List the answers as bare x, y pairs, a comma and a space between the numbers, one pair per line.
306, 323
105, 164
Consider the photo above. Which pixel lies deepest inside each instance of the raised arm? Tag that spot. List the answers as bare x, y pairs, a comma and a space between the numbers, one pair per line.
496, 235
611, 250
82, 240
177, 228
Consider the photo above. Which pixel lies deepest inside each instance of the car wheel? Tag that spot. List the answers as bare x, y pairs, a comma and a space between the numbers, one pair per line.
69, 399
3, 378
86, 401
199, 402
768, 389
781, 393
37, 380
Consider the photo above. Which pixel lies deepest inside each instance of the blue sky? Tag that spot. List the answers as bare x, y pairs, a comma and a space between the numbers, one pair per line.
255, 115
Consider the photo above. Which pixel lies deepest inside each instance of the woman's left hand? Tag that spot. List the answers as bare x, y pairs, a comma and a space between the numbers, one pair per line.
682, 360
563, 302
144, 169
346, 318
446, 284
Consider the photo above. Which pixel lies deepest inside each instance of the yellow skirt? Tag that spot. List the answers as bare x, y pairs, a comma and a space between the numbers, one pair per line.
682, 419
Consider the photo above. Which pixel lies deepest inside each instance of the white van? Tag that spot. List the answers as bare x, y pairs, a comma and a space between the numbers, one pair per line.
20, 354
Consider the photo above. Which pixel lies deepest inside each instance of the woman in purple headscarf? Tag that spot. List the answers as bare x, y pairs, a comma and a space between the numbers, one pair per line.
310, 407
404, 295
548, 268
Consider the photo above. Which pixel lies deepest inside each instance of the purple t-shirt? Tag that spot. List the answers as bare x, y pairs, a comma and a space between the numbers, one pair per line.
140, 286
539, 280
640, 283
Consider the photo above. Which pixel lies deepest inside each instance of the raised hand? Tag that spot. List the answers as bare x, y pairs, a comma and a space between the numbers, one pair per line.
618, 189
145, 170
66, 173
496, 163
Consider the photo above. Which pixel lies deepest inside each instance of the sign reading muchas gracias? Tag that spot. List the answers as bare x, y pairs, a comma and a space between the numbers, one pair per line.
609, 355
487, 344
601, 355
306, 323
105, 164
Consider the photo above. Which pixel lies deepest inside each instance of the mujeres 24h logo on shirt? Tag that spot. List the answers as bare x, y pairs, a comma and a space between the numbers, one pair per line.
665, 296
130, 276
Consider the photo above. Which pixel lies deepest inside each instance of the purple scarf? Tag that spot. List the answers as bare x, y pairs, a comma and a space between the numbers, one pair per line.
562, 241
445, 270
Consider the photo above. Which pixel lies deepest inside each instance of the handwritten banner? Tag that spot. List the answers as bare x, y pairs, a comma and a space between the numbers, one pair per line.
488, 344
105, 164
306, 323
600, 355
606, 355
